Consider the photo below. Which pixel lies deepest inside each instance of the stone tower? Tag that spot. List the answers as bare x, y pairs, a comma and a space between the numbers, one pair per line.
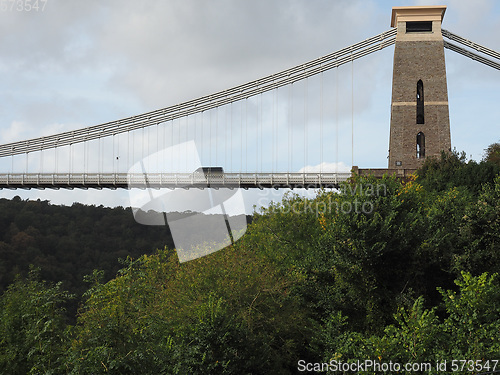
420, 123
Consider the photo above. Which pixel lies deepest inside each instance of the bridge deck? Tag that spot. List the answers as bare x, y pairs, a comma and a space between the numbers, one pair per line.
170, 180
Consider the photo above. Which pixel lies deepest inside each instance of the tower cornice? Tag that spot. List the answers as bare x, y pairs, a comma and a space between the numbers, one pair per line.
417, 13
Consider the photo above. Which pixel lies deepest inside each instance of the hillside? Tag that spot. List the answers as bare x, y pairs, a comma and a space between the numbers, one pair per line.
67, 243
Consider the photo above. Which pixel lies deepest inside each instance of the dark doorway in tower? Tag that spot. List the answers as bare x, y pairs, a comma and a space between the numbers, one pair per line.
420, 145
420, 102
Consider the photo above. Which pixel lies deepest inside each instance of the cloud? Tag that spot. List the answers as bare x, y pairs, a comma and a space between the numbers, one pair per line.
13, 132
326, 168
197, 48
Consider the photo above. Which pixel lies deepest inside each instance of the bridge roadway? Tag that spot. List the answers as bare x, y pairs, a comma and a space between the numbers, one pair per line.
171, 180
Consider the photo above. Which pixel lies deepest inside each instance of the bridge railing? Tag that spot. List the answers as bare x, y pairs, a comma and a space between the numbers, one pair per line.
171, 180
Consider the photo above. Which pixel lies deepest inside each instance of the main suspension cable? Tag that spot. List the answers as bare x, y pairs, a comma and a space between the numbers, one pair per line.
221, 98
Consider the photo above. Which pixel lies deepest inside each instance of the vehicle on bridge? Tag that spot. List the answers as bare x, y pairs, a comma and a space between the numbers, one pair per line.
209, 172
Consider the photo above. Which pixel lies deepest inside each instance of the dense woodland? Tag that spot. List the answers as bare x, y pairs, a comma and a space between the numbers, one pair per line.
410, 275
67, 243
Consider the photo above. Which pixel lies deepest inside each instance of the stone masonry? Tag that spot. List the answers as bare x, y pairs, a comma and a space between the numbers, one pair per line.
418, 56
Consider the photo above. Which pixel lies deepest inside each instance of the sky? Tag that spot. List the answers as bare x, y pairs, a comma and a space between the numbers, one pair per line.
75, 63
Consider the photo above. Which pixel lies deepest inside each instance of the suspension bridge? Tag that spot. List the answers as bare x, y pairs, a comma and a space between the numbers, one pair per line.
258, 116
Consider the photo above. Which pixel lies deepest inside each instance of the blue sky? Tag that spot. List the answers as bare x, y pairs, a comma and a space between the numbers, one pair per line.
81, 63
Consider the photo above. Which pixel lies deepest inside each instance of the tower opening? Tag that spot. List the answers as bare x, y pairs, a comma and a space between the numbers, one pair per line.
418, 26
420, 102
420, 145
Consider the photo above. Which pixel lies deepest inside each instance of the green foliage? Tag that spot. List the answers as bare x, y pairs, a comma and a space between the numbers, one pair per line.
116, 332
473, 323
341, 246
32, 327
219, 314
217, 343
492, 153
469, 330
453, 170
384, 269
480, 232
69, 242
416, 330
364, 246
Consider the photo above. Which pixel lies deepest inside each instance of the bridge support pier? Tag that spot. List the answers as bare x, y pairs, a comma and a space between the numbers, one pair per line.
380, 172
420, 124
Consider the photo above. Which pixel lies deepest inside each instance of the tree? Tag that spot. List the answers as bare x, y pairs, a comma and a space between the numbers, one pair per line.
32, 327
480, 233
468, 330
492, 153
225, 313
452, 169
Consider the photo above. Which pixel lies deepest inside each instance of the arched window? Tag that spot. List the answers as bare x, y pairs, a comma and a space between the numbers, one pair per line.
420, 145
420, 102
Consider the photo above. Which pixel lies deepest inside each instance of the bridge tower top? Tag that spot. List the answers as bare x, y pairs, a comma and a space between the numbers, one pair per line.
434, 13
418, 23
420, 125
